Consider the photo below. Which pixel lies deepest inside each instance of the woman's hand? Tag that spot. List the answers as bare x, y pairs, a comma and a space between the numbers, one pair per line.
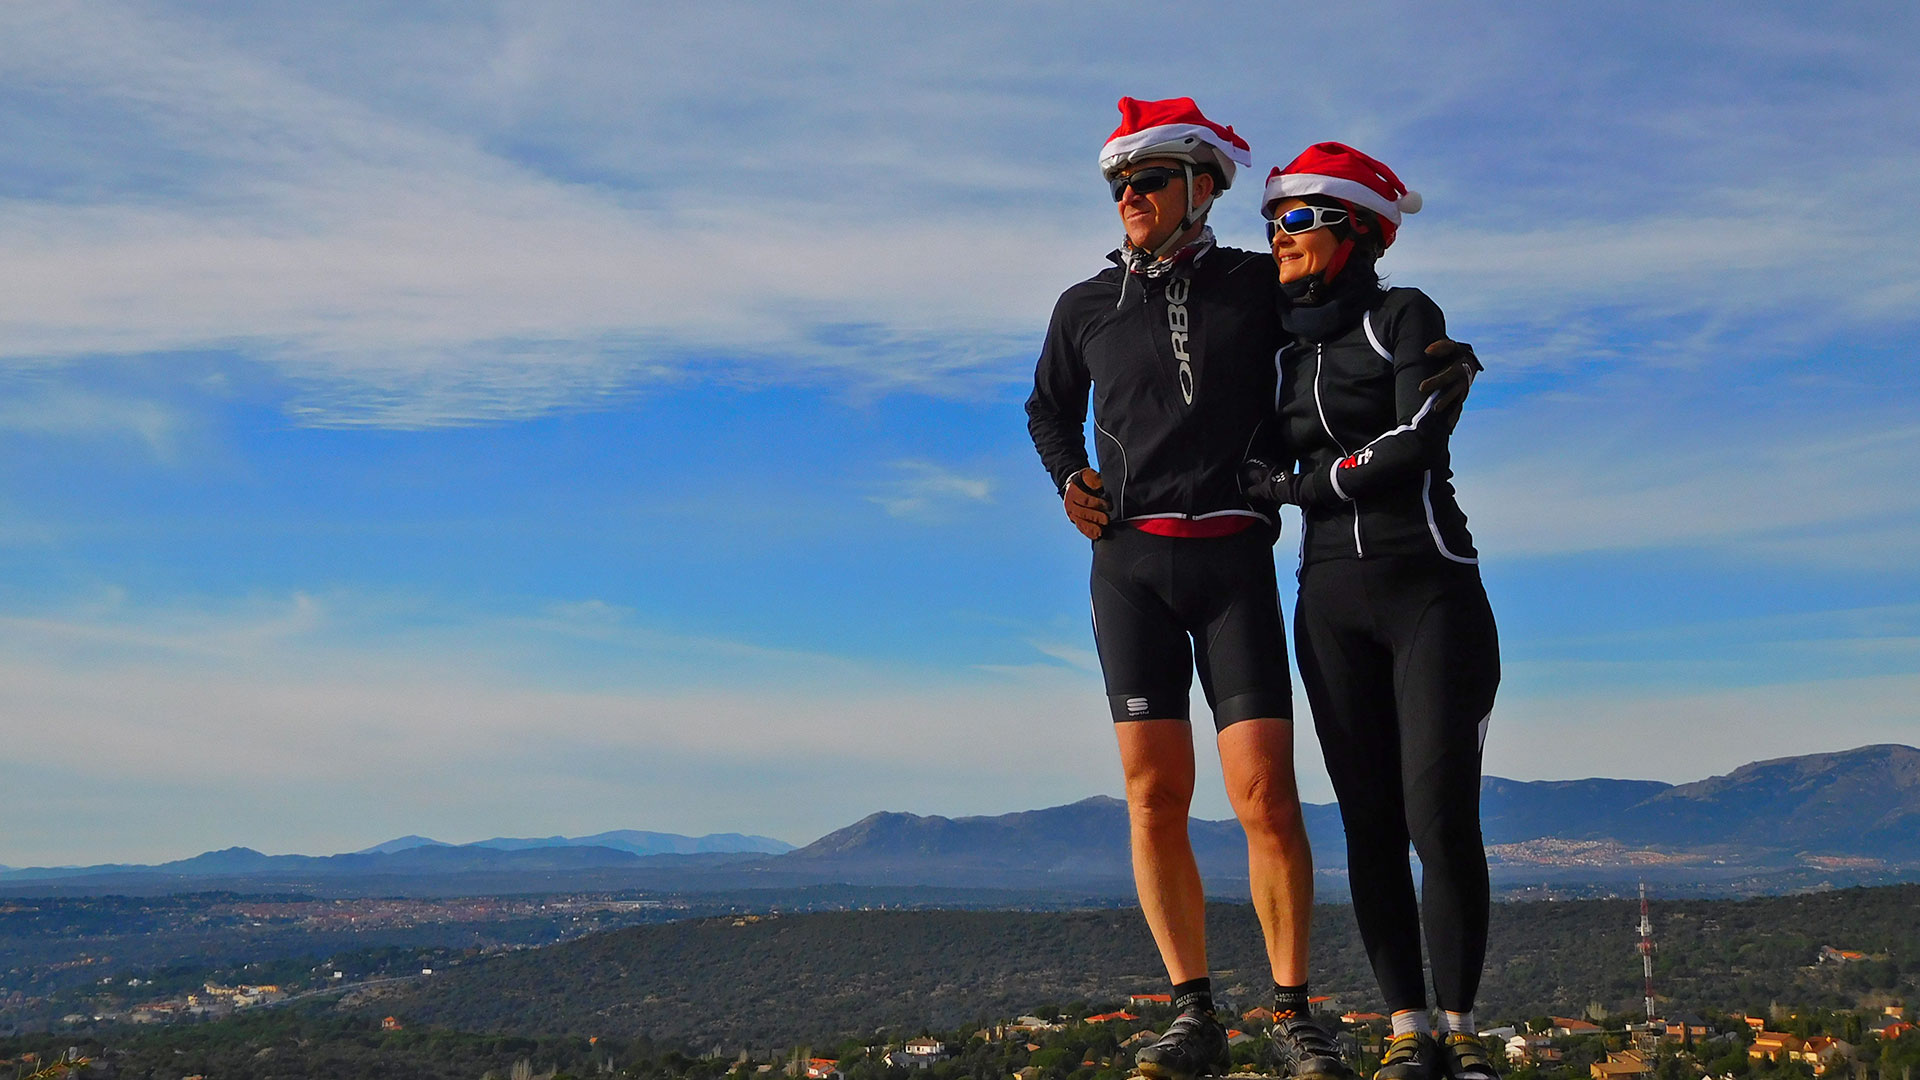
1455, 379
1265, 484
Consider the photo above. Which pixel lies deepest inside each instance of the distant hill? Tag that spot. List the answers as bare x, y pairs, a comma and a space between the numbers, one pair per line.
1859, 802
1512, 811
649, 843
426, 860
402, 843
1082, 840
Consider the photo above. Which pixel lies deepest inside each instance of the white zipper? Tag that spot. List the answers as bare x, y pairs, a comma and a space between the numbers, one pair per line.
1319, 356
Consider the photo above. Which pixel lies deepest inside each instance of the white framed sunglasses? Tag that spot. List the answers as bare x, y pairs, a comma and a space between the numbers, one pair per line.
1304, 219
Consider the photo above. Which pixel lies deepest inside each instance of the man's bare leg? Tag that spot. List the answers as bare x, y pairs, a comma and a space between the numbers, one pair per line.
1157, 758
1256, 758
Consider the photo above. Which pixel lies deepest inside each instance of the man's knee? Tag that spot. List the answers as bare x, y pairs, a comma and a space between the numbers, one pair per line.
1257, 758
1156, 803
1268, 806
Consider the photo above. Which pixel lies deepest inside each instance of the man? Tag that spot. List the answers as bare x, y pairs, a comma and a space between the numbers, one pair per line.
1175, 345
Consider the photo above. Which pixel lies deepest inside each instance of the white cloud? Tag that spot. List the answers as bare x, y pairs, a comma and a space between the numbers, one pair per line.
930, 492
1609, 473
443, 218
68, 412
436, 281
1072, 655
1724, 274
105, 622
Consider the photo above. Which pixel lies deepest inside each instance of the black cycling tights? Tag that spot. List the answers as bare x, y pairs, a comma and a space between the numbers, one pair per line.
1400, 661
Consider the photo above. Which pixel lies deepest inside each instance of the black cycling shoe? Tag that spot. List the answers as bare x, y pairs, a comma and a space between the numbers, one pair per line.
1464, 1057
1307, 1051
1194, 1045
1413, 1056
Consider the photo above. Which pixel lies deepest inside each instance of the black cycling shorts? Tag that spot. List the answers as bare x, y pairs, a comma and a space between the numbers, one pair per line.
1165, 605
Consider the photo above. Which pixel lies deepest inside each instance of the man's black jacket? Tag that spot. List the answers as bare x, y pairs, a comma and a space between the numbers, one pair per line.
1182, 376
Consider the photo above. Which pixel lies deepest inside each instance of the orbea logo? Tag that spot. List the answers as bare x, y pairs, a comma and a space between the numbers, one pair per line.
1177, 323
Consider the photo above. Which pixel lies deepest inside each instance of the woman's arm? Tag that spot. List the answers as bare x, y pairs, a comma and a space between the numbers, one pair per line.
1421, 352
1420, 440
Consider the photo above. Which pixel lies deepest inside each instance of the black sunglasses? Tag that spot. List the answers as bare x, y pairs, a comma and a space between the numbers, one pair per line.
1144, 181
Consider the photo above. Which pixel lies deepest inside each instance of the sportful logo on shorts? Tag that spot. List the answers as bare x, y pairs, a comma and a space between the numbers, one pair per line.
1136, 706
1177, 324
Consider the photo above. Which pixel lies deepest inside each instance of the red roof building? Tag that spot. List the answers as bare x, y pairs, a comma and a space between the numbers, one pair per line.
1773, 1045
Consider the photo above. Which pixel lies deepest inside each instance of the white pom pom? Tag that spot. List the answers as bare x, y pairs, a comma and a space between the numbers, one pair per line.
1411, 202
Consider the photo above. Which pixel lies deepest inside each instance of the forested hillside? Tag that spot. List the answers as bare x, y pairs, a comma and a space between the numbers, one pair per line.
743, 983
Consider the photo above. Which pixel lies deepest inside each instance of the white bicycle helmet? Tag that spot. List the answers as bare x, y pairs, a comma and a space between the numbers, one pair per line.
1176, 129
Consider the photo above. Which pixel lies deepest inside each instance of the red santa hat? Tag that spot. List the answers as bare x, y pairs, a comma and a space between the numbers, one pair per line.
1340, 171
1174, 128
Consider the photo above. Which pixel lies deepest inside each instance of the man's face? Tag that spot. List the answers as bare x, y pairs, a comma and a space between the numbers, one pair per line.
1151, 218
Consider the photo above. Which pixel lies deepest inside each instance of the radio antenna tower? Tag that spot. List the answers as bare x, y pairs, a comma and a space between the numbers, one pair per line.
1646, 948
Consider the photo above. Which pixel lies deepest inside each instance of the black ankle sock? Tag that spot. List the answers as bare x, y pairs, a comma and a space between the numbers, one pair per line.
1290, 1000
1194, 995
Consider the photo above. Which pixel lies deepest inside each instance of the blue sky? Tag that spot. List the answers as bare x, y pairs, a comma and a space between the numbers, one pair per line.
526, 419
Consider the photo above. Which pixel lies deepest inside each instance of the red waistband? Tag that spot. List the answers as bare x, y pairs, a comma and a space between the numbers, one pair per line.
1196, 528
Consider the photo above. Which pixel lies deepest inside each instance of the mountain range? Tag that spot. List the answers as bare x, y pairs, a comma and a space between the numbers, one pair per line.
1860, 806
1840, 818
420, 856
629, 840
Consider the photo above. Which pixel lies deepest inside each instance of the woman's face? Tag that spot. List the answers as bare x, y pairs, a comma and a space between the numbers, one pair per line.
1301, 254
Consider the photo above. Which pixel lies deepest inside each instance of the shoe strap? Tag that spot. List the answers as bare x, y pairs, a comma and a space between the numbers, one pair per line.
1190, 1022
1468, 1050
1308, 1035
1402, 1048
1464, 1040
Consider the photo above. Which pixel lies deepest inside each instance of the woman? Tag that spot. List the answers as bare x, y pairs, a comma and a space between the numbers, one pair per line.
1396, 642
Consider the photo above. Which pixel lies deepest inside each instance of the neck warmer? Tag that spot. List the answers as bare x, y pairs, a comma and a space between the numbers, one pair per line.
1138, 261
1322, 310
